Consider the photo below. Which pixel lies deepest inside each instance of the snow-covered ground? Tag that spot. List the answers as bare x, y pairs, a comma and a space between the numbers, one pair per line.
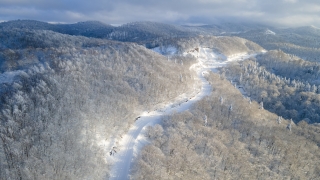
131, 143
211, 60
169, 50
270, 32
7, 77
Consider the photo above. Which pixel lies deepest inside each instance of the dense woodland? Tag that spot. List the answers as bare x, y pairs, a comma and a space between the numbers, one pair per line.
285, 85
72, 93
226, 136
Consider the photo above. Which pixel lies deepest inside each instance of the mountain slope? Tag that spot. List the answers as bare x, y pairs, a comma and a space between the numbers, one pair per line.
69, 98
226, 136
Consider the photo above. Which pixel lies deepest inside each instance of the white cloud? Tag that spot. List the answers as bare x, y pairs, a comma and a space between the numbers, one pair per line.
283, 12
291, 1
296, 20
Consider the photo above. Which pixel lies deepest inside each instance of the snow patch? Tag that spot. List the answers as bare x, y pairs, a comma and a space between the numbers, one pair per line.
168, 50
209, 59
270, 32
315, 27
240, 56
7, 77
237, 32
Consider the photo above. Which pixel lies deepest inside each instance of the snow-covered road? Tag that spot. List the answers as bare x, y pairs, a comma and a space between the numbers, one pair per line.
134, 140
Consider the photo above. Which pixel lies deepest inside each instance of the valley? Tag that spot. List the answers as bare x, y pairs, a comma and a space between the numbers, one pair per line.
148, 100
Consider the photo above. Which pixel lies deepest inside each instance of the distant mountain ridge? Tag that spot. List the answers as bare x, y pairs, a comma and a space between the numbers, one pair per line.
131, 32
89, 28
302, 41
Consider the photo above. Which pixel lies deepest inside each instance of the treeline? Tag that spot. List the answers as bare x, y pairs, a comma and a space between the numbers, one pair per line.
68, 101
226, 136
307, 53
290, 98
290, 66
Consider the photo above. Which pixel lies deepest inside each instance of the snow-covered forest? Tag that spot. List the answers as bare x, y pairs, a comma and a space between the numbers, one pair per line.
70, 93
226, 136
285, 85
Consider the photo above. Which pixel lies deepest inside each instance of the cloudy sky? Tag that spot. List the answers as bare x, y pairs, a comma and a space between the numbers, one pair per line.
273, 12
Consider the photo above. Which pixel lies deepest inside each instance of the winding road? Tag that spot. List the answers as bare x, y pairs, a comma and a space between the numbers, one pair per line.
134, 140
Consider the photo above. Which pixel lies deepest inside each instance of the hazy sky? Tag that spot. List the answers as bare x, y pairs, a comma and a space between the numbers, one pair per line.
274, 12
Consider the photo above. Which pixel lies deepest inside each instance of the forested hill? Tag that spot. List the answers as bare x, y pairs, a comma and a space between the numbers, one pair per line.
88, 28
133, 32
64, 96
22, 47
227, 136
287, 85
303, 41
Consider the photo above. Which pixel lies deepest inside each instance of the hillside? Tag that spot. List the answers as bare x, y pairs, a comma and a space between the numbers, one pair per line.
262, 125
68, 95
225, 136
286, 86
